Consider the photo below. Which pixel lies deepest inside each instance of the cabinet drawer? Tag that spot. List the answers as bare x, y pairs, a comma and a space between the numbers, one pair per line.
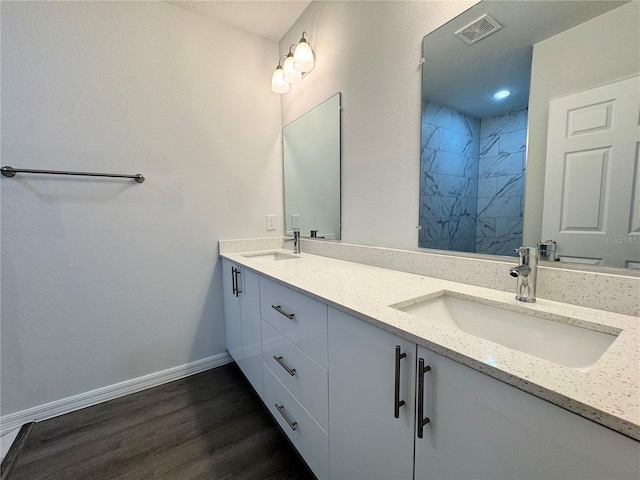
309, 383
307, 327
308, 438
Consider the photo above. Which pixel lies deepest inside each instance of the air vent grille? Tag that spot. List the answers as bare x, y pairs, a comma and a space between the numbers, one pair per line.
476, 31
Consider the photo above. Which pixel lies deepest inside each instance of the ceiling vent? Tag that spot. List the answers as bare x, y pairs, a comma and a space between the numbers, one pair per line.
476, 31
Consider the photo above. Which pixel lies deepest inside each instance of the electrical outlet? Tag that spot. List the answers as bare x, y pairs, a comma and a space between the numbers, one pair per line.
271, 222
295, 221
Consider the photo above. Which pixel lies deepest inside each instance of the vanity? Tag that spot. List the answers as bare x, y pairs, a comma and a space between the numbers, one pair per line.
396, 364
372, 373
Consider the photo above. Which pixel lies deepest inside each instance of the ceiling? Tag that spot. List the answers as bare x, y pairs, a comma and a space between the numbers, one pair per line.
465, 77
267, 18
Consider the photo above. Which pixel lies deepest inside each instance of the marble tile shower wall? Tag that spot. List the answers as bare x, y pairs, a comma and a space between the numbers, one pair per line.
448, 187
501, 168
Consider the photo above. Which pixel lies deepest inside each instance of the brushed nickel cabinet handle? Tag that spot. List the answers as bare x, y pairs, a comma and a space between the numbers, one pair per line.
422, 421
279, 309
290, 371
293, 425
397, 402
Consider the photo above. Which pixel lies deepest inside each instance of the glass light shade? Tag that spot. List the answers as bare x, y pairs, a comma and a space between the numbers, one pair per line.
278, 85
291, 75
303, 57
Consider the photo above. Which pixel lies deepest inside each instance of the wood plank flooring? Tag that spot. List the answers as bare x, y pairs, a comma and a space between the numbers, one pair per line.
208, 426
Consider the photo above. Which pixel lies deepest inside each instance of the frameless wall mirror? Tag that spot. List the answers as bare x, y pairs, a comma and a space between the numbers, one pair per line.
311, 151
541, 97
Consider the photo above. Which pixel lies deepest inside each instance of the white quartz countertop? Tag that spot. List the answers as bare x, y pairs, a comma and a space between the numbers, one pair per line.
608, 393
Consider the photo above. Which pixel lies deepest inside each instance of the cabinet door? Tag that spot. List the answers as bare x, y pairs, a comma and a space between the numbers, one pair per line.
232, 323
482, 428
251, 360
366, 440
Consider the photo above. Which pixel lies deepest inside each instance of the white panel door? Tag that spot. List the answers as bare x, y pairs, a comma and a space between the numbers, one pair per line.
366, 440
591, 198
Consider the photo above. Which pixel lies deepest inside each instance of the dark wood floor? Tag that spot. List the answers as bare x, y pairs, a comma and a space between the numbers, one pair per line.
207, 426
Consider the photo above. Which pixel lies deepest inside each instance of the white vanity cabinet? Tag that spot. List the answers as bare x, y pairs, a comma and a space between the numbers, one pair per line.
351, 398
294, 345
243, 336
478, 427
367, 440
483, 428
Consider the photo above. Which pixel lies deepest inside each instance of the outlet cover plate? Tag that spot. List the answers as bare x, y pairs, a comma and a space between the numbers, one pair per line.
271, 223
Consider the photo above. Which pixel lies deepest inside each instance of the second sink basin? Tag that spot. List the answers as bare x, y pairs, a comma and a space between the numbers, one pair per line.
569, 345
270, 257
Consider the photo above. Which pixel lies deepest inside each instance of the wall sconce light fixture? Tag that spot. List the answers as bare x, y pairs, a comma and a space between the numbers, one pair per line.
278, 84
300, 60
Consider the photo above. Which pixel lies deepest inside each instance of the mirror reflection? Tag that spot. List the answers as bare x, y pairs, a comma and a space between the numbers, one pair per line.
489, 79
311, 153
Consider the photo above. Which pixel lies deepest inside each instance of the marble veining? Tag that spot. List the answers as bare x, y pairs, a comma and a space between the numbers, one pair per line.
609, 393
449, 178
472, 175
501, 167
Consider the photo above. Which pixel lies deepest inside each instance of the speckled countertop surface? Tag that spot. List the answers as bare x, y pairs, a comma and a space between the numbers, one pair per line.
608, 393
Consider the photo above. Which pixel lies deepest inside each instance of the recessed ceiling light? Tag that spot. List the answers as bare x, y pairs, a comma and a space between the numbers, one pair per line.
501, 94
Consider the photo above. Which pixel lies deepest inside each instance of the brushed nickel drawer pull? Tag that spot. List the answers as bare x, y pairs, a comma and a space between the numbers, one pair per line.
422, 420
280, 408
290, 371
279, 309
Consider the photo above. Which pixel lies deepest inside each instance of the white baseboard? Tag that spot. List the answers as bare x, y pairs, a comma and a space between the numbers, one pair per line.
93, 397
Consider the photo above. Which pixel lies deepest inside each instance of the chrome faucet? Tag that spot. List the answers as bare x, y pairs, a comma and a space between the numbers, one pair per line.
526, 272
296, 241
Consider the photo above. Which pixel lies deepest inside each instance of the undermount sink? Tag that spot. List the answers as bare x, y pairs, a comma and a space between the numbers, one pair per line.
270, 257
569, 345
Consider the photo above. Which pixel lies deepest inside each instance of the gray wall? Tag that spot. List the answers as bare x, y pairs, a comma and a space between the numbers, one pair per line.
108, 280
370, 51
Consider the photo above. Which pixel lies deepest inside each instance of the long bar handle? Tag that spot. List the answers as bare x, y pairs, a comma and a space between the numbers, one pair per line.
293, 425
290, 371
397, 402
279, 309
422, 420
8, 171
238, 291
233, 281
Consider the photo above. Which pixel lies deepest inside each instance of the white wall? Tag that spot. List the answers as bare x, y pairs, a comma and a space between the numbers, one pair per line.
370, 51
108, 280
591, 54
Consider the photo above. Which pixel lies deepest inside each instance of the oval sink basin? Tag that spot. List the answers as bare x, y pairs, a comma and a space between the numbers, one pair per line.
569, 345
270, 257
